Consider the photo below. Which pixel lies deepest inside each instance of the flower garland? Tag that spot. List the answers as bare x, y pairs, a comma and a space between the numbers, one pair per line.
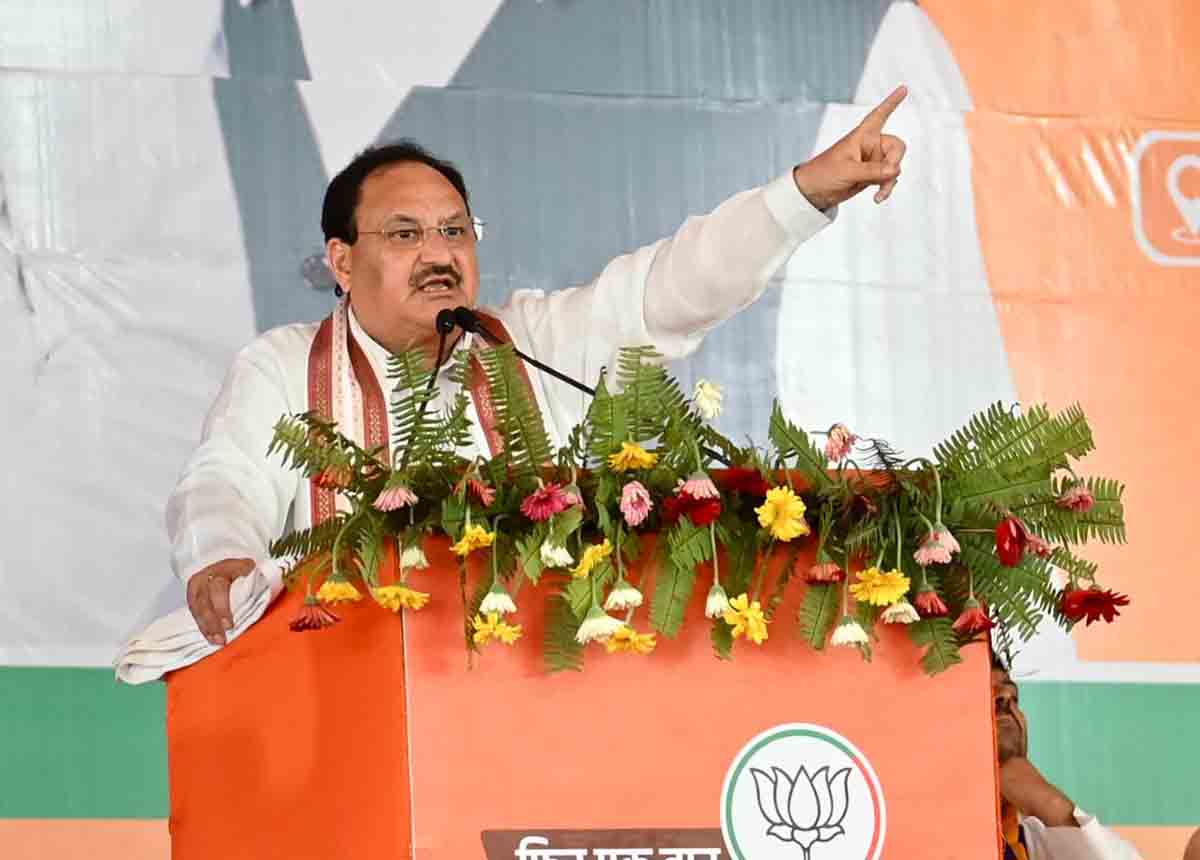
972, 535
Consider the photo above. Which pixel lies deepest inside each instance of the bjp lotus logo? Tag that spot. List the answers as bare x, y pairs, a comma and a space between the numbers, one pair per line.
802, 792
804, 809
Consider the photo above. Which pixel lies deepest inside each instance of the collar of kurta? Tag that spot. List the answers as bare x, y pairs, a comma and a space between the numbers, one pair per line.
344, 388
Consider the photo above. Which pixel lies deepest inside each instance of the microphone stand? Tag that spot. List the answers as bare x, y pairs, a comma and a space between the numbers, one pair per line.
467, 319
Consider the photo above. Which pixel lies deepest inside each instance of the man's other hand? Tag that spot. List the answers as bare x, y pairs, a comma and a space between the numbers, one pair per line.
1024, 787
208, 596
864, 157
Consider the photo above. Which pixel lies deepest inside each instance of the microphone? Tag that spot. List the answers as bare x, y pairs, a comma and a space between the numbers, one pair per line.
468, 320
446, 320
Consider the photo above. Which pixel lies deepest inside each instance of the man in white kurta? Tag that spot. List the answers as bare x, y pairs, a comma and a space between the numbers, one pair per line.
402, 255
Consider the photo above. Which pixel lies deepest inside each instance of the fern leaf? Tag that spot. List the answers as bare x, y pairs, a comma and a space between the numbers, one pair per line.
819, 612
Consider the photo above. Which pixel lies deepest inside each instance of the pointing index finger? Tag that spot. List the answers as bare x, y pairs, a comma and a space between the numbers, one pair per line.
877, 117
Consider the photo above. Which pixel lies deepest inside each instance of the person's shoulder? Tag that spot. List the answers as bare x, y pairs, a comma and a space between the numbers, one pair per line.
282, 340
277, 352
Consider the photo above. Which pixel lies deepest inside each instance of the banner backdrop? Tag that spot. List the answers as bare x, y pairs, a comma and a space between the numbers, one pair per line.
161, 172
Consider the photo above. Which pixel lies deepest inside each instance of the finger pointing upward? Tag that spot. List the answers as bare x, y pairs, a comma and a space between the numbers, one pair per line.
876, 118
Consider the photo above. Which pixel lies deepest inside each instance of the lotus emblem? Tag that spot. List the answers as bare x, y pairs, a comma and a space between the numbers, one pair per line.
805, 809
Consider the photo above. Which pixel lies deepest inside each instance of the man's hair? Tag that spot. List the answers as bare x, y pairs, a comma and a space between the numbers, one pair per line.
345, 190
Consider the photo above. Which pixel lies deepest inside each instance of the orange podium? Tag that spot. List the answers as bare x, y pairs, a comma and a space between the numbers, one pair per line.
374, 739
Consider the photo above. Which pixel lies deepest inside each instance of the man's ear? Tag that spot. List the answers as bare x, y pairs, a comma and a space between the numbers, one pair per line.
337, 255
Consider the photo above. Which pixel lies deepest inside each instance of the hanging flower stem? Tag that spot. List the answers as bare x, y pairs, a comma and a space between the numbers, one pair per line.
761, 573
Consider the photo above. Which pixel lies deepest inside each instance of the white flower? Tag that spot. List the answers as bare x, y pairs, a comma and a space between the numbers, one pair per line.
497, 600
900, 612
623, 596
717, 603
707, 398
849, 632
597, 627
556, 555
413, 557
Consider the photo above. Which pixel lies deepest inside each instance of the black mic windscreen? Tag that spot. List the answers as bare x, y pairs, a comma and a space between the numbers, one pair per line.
445, 321
466, 319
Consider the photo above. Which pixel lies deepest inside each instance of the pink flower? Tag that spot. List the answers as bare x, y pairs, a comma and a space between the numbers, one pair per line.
394, 498
839, 443
545, 502
699, 486
1037, 546
1078, 499
635, 503
822, 572
937, 548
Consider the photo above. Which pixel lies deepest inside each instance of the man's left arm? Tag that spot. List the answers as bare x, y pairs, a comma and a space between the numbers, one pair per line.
1060, 830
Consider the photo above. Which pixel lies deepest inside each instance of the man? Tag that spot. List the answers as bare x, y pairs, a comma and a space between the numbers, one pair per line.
400, 241
1037, 820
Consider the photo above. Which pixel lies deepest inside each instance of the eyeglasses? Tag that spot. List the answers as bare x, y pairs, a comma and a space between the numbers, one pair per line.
410, 236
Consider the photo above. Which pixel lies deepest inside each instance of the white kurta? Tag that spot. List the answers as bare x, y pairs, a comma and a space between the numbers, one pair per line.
1089, 841
232, 500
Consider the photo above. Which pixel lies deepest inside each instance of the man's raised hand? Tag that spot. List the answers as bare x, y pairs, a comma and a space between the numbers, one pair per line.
866, 156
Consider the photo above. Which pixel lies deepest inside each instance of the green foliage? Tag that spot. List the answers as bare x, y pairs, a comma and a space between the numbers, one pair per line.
686, 547
560, 650
526, 447
819, 612
937, 637
792, 443
306, 542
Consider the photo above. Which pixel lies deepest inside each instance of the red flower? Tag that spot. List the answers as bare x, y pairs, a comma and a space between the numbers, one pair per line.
742, 479
1092, 604
702, 511
823, 572
699, 511
929, 604
671, 509
485, 493
1011, 539
333, 478
974, 619
313, 616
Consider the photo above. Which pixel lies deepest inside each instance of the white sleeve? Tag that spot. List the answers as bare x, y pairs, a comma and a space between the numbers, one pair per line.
716, 265
669, 294
1089, 841
231, 500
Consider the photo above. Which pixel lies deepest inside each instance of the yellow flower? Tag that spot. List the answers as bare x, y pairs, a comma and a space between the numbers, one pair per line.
592, 556
879, 588
397, 597
632, 456
783, 514
333, 593
493, 628
475, 537
747, 619
629, 640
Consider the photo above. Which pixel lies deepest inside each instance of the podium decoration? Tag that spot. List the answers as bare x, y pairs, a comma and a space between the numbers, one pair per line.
950, 547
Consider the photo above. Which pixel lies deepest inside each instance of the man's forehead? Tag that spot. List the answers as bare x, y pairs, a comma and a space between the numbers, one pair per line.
409, 188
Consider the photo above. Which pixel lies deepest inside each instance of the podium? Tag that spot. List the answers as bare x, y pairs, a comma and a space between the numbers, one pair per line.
373, 739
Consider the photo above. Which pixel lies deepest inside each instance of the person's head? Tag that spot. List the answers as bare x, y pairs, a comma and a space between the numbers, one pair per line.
1012, 731
380, 217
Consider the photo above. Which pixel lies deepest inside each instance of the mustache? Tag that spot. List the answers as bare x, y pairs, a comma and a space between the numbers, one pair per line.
433, 272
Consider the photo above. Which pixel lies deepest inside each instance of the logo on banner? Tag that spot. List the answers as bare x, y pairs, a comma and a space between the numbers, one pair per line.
1166, 196
802, 792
